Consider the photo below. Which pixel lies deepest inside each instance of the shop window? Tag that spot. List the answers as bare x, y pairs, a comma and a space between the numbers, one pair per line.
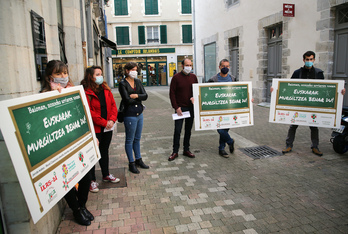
186, 7
187, 33
163, 31
121, 7
234, 53
152, 34
122, 35
151, 7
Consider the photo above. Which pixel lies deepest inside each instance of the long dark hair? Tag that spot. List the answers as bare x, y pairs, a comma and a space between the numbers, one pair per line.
89, 83
51, 67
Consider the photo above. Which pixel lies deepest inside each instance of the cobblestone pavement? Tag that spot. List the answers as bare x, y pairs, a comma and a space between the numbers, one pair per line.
294, 193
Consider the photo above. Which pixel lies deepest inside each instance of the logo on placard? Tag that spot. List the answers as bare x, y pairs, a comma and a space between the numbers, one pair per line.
48, 183
235, 118
81, 158
52, 194
65, 174
294, 117
314, 116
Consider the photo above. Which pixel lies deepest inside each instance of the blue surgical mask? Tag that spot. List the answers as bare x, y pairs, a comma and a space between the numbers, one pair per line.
99, 80
308, 63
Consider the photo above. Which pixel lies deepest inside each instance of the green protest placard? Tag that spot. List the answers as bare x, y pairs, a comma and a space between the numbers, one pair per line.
307, 102
222, 105
49, 126
307, 94
52, 144
219, 97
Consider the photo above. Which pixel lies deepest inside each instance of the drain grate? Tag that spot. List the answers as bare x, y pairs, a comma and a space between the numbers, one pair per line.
260, 152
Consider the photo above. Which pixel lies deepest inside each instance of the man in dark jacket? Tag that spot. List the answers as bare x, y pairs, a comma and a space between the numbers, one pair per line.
308, 71
181, 98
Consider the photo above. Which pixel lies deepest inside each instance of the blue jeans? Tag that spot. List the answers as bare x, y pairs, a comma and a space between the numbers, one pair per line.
224, 138
133, 126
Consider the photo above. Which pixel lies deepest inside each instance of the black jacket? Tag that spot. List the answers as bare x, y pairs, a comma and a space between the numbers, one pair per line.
304, 73
132, 107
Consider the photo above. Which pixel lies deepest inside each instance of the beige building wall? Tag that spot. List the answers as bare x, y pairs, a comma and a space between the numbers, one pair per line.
169, 14
18, 78
310, 29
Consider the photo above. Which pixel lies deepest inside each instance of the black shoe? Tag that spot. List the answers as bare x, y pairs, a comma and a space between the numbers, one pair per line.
223, 153
81, 218
133, 168
139, 162
87, 213
231, 146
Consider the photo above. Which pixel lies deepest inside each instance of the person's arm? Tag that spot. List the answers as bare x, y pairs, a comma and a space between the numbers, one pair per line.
172, 93
96, 116
125, 95
142, 95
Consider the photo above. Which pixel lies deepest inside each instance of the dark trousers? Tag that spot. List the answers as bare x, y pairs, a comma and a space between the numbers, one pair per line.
291, 136
78, 198
104, 143
177, 130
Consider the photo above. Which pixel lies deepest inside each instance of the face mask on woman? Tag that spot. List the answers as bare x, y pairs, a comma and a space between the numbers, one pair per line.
99, 80
133, 74
62, 81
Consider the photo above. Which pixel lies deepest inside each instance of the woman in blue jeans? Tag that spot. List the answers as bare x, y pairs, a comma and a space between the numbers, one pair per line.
133, 93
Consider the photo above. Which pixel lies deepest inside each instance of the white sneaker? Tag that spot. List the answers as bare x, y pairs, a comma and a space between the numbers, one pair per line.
94, 187
111, 178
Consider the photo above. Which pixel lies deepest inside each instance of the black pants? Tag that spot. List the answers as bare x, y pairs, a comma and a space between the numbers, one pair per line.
177, 130
78, 198
104, 143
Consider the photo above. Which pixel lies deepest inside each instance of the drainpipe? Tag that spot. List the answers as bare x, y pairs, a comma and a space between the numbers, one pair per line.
194, 38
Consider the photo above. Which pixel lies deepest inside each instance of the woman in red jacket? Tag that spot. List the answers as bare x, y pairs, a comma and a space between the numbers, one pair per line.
104, 114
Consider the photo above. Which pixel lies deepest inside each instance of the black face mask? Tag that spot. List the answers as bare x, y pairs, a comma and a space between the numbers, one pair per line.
224, 70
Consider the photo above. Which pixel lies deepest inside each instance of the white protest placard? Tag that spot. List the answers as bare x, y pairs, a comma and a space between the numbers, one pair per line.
51, 141
307, 102
223, 105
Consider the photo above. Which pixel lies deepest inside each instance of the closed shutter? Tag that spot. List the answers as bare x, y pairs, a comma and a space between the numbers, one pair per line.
186, 7
122, 35
151, 7
163, 32
121, 7
141, 35
187, 33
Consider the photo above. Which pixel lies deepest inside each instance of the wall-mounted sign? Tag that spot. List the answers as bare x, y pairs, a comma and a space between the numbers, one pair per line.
51, 141
288, 10
307, 102
39, 40
145, 51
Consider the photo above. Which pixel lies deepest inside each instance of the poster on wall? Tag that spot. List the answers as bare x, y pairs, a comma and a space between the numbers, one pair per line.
307, 102
222, 105
51, 142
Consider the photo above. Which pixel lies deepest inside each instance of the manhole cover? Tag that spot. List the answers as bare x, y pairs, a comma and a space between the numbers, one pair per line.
260, 152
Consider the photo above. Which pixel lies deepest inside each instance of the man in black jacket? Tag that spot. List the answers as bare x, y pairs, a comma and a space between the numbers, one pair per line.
308, 71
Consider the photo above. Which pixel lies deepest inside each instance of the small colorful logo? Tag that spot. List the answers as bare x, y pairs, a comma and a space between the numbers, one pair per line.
81, 157
294, 117
314, 116
235, 118
65, 173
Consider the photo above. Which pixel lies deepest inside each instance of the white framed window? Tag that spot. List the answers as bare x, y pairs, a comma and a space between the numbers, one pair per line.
231, 2
152, 33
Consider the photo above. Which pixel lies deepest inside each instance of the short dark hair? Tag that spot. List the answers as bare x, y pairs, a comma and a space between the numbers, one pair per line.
308, 54
183, 61
223, 61
129, 66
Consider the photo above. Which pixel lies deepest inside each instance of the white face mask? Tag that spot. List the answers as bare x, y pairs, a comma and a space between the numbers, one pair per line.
133, 74
62, 81
187, 70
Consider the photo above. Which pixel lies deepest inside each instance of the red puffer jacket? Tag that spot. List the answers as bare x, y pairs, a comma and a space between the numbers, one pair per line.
94, 106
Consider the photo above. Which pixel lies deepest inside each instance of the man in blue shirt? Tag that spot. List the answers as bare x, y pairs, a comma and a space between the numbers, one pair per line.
223, 76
